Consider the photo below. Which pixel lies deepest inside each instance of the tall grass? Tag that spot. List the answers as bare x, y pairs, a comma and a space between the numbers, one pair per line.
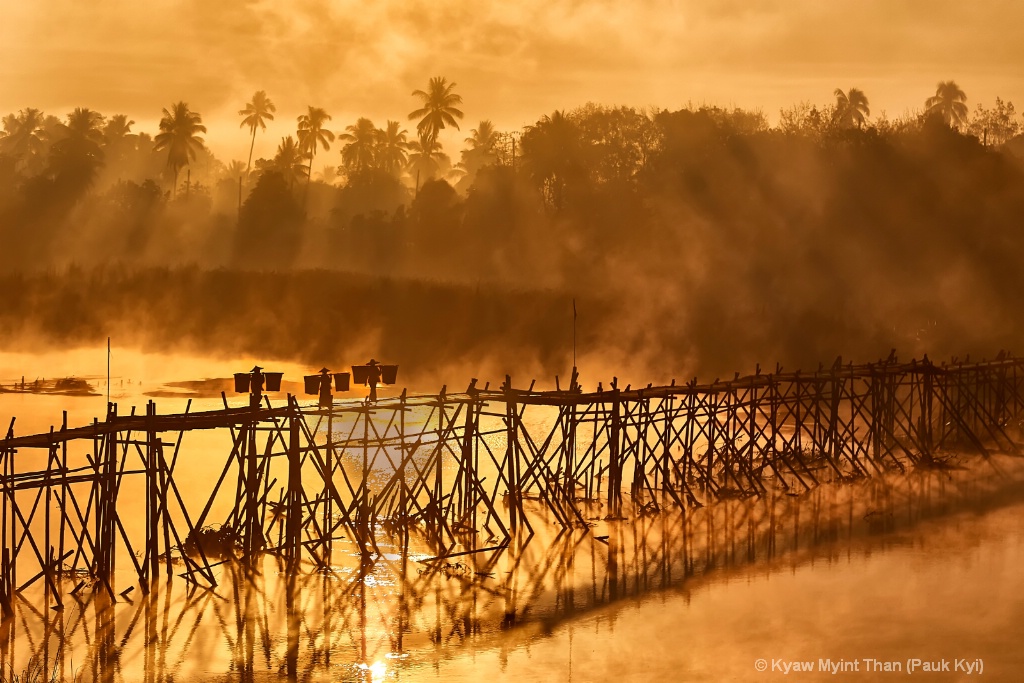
37, 670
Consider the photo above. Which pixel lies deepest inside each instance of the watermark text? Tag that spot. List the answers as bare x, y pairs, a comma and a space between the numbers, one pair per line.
871, 665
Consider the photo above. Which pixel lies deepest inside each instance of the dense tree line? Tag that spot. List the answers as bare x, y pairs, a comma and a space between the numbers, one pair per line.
700, 230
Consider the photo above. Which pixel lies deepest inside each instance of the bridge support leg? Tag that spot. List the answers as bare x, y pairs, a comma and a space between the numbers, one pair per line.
293, 542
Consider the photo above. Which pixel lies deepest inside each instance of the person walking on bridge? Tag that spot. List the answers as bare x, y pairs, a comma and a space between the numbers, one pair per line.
326, 398
373, 379
256, 387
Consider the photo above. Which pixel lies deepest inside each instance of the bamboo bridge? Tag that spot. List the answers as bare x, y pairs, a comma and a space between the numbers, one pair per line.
464, 473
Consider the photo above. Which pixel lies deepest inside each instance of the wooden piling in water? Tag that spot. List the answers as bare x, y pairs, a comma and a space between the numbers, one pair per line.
294, 511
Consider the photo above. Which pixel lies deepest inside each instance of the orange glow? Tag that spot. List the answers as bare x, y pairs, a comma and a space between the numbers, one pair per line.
512, 62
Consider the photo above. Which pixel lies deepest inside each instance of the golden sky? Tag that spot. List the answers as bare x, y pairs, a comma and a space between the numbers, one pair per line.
512, 61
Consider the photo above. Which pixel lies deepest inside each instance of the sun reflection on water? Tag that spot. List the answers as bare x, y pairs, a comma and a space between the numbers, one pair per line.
378, 670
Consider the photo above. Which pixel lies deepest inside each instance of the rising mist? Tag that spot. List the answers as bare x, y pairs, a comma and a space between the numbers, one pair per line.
696, 242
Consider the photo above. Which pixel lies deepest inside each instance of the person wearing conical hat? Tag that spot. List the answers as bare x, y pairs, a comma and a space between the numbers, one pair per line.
326, 397
373, 379
256, 385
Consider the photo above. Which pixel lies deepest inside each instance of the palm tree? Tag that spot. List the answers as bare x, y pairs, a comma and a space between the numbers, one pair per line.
25, 135
178, 135
483, 137
330, 175
426, 159
53, 129
77, 155
85, 124
482, 151
118, 139
236, 169
360, 149
851, 108
311, 134
290, 160
117, 128
438, 108
949, 102
482, 145
255, 115
392, 148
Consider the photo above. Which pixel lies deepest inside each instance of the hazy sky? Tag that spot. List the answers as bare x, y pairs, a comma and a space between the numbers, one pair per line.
512, 61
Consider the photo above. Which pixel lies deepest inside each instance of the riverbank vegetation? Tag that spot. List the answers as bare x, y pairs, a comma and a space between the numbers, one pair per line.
701, 236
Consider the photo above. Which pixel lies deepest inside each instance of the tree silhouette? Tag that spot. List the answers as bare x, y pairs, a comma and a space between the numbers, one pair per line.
994, 126
438, 110
360, 150
289, 161
480, 153
85, 125
392, 148
553, 155
618, 141
76, 156
178, 135
117, 127
120, 142
851, 108
255, 115
26, 135
507, 147
270, 225
426, 159
436, 214
949, 102
236, 169
313, 134
330, 175
53, 129
483, 139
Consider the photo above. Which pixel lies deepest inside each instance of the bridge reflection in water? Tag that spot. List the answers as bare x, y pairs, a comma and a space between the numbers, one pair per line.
404, 611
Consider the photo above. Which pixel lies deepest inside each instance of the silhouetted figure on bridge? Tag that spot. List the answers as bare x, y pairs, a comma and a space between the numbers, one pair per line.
256, 386
326, 397
373, 379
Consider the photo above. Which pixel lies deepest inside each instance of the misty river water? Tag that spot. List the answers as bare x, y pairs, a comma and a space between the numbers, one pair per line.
919, 571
